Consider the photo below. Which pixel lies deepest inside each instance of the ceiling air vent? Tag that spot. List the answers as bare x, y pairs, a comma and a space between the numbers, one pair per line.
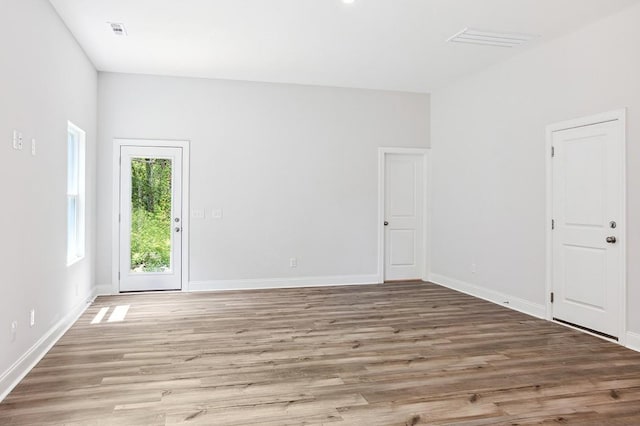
117, 28
469, 35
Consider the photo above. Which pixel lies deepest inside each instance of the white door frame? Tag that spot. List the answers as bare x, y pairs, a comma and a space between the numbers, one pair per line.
115, 223
617, 115
382, 152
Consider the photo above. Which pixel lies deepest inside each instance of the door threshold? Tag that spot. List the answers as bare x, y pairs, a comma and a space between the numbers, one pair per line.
176, 290
587, 329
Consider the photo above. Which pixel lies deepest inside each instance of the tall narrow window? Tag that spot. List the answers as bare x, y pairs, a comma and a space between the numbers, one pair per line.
75, 193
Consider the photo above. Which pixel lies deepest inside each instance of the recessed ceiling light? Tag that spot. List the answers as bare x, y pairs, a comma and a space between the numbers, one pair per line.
117, 28
471, 36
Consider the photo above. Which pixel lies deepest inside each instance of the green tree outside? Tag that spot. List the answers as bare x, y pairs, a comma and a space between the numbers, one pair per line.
151, 214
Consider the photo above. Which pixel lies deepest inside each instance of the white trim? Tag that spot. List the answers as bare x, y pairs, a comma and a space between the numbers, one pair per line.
633, 341
616, 115
115, 234
10, 378
511, 302
255, 284
426, 275
426, 266
547, 225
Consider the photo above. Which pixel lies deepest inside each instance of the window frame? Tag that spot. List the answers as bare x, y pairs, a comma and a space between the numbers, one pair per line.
76, 237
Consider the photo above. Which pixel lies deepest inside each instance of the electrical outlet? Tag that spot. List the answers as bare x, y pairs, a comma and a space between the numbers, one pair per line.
293, 262
32, 317
20, 141
14, 330
216, 214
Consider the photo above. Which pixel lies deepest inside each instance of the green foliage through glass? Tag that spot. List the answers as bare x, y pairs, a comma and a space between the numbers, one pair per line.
150, 215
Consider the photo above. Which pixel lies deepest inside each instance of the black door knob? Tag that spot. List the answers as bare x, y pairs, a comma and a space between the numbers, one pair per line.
386, 223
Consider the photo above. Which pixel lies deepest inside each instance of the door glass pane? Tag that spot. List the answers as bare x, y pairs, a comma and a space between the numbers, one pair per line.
150, 215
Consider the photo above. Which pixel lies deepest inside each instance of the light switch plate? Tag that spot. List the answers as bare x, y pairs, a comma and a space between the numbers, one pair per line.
197, 213
33, 147
216, 213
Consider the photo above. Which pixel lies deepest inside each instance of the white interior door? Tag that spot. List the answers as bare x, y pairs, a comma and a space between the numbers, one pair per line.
587, 259
404, 182
150, 218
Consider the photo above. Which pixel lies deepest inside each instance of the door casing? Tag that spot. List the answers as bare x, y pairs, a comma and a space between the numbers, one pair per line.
620, 117
382, 153
115, 201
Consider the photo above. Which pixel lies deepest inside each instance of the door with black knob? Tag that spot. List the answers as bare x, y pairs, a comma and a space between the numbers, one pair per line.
404, 185
587, 256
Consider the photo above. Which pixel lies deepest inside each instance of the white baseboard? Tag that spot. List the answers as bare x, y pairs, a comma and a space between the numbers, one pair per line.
633, 341
256, 284
10, 378
496, 297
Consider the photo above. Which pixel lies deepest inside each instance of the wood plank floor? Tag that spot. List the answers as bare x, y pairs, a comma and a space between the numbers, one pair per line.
393, 354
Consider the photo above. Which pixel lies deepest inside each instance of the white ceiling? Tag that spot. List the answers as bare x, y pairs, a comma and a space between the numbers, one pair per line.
375, 44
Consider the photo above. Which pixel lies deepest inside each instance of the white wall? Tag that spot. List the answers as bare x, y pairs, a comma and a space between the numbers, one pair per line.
45, 80
489, 156
294, 169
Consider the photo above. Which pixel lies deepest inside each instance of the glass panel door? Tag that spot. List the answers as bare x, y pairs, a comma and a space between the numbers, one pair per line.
150, 218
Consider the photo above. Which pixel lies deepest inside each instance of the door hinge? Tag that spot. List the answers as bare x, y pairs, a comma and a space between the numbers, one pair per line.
553, 151
551, 297
553, 224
